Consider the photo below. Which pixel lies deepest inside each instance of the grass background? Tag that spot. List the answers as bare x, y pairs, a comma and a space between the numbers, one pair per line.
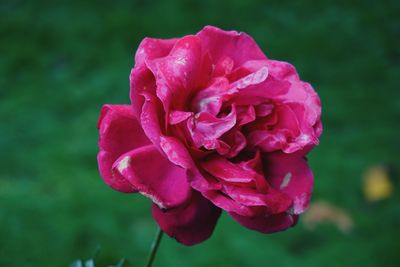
61, 60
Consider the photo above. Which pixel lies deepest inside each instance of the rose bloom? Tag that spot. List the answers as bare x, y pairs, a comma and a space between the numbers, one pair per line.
213, 125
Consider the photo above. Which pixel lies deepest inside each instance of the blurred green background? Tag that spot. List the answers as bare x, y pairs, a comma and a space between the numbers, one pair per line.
61, 60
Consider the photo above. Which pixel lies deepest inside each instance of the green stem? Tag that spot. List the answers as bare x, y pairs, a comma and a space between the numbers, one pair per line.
154, 247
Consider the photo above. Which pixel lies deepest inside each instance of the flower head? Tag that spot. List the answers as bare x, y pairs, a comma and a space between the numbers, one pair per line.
213, 124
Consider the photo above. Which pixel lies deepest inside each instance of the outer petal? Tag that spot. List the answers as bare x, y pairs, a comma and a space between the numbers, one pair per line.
189, 224
282, 70
304, 95
267, 224
151, 48
120, 132
240, 47
281, 137
310, 128
291, 174
180, 73
152, 118
141, 78
154, 176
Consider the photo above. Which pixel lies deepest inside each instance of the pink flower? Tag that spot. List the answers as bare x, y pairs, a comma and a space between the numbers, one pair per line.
213, 124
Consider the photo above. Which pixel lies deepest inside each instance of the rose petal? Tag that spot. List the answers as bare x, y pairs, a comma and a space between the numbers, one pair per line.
152, 48
177, 116
205, 128
234, 141
272, 201
211, 98
223, 67
287, 119
245, 114
283, 136
306, 104
240, 47
190, 224
264, 109
269, 89
253, 78
247, 68
282, 70
120, 132
154, 176
176, 152
141, 78
303, 93
269, 141
180, 73
226, 171
291, 174
309, 129
267, 224
228, 204
236, 174
152, 118
202, 181
254, 163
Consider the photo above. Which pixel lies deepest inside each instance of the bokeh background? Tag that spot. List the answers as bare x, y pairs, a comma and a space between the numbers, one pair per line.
61, 60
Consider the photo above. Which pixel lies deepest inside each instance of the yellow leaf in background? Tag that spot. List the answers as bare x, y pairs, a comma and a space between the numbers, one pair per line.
322, 212
377, 184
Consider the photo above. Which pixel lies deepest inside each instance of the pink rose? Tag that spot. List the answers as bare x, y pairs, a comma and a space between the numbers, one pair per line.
214, 124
